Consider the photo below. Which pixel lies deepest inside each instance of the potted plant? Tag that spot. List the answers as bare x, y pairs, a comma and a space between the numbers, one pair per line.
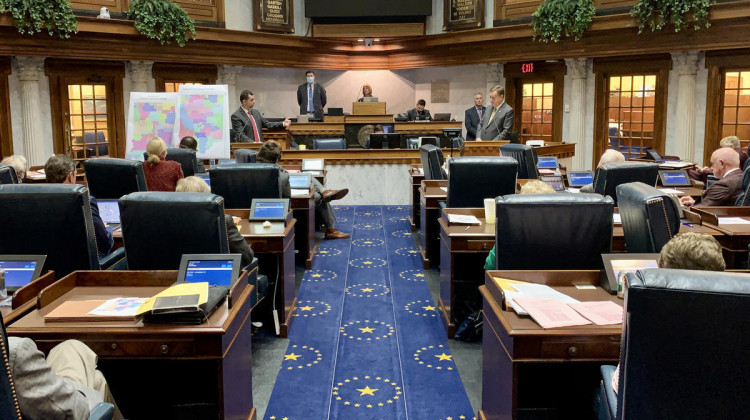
656, 14
31, 17
555, 19
162, 20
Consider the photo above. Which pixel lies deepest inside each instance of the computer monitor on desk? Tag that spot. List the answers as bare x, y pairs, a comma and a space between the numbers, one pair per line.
442, 117
21, 270
370, 99
269, 209
385, 141
313, 165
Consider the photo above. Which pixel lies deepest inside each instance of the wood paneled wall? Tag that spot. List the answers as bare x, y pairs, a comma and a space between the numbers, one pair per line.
199, 10
523, 9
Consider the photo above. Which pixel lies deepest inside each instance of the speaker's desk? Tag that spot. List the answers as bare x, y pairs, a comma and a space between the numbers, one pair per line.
156, 370
274, 248
530, 372
431, 193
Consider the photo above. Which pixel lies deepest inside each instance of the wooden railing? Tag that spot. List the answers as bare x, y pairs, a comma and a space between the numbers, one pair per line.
202, 11
520, 9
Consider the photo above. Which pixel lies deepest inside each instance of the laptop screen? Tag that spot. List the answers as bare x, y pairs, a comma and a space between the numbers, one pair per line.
554, 181
579, 179
18, 273
109, 211
214, 272
269, 210
205, 177
675, 178
299, 181
312, 164
547, 162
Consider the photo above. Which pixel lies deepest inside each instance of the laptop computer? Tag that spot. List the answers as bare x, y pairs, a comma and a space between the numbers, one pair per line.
109, 211
677, 178
314, 166
578, 179
442, 117
21, 270
215, 269
300, 184
269, 209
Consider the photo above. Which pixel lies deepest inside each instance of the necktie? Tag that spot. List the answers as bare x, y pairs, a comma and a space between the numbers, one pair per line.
479, 111
492, 115
310, 98
256, 137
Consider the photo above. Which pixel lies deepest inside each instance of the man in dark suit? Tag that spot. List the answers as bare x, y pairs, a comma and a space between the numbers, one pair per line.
250, 130
725, 163
419, 113
474, 116
311, 96
497, 122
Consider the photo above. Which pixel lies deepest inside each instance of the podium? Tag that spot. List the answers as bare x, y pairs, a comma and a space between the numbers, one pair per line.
368, 108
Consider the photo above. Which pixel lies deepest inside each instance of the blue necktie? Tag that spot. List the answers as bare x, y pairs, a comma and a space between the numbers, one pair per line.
310, 98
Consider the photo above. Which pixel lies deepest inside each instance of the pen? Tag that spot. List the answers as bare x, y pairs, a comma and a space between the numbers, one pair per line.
688, 224
467, 228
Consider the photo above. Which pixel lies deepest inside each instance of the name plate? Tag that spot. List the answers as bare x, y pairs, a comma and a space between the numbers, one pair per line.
273, 15
463, 14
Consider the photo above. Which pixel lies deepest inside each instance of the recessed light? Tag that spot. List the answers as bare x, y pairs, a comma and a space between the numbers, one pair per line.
360, 40
376, 39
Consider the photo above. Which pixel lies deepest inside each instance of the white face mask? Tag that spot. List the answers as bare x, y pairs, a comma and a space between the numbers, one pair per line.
310, 79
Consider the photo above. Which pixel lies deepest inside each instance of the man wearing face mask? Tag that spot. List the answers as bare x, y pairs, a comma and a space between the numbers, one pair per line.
311, 97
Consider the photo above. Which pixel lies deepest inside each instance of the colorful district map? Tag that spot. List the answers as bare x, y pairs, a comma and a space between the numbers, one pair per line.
202, 116
150, 119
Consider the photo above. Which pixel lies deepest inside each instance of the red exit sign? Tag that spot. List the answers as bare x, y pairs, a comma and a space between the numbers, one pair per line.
527, 68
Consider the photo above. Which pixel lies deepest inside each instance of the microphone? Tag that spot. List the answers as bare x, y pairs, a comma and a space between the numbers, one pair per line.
239, 133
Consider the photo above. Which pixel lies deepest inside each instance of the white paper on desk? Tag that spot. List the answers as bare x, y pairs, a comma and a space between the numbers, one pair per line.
670, 191
551, 313
542, 291
463, 219
444, 189
675, 164
299, 192
733, 221
616, 219
600, 313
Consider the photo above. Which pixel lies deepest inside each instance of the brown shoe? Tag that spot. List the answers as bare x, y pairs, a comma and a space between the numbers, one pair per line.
329, 195
333, 233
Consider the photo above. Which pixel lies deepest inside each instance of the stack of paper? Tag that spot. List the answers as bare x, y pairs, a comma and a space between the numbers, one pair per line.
552, 313
463, 219
616, 219
733, 221
534, 291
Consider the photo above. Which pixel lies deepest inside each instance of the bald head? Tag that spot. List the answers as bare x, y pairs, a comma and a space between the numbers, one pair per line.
610, 156
724, 160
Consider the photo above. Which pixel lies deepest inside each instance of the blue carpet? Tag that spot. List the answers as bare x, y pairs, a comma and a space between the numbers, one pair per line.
367, 342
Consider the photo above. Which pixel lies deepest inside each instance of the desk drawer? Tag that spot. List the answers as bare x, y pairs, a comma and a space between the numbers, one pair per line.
155, 348
480, 244
593, 348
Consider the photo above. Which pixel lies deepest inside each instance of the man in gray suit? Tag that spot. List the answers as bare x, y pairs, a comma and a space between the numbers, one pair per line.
311, 96
497, 121
250, 130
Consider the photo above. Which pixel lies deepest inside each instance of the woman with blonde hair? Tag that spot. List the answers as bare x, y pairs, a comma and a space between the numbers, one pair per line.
161, 174
366, 92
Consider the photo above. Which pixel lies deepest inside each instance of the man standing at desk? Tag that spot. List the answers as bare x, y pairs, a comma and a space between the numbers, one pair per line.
474, 116
247, 122
311, 96
497, 122
725, 163
419, 113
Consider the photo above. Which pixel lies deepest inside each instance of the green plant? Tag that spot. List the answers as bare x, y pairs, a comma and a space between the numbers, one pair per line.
162, 20
656, 14
557, 18
31, 17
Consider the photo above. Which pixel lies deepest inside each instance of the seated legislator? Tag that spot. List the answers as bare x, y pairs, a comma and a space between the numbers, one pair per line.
161, 174
237, 244
189, 142
725, 163
66, 385
532, 187
270, 152
366, 92
61, 169
419, 113
701, 174
609, 156
689, 251
19, 163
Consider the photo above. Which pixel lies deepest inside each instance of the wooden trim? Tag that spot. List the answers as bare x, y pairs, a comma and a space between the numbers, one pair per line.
373, 30
166, 72
548, 72
6, 134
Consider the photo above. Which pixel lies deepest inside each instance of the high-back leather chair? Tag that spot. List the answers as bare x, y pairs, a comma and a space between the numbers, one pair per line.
744, 197
432, 161
8, 174
320, 144
552, 231
245, 155
684, 346
610, 175
497, 175
526, 158
110, 178
185, 157
650, 218
158, 227
240, 183
53, 220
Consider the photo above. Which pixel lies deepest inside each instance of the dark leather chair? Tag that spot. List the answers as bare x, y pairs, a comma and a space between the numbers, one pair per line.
92, 148
185, 157
432, 161
650, 218
320, 144
240, 183
53, 220
610, 175
245, 155
526, 158
553, 231
110, 178
8, 175
158, 227
684, 347
497, 174
744, 197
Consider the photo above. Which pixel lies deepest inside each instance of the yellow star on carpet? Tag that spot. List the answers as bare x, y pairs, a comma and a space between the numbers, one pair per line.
368, 226
292, 356
305, 308
428, 308
443, 356
323, 252
273, 417
367, 262
367, 391
368, 242
419, 275
318, 275
367, 330
285, 418
367, 290
412, 252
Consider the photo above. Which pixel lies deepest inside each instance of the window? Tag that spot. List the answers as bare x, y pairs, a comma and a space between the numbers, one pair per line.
631, 111
169, 77
172, 86
535, 91
89, 131
536, 113
736, 106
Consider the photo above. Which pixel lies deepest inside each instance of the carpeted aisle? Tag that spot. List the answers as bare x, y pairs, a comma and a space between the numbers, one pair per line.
367, 342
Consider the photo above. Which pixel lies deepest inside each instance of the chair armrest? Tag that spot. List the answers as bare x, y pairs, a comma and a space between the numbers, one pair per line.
102, 411
113, 258
609, 392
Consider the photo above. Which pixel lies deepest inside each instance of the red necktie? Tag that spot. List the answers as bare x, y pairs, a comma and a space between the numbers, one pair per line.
255, 127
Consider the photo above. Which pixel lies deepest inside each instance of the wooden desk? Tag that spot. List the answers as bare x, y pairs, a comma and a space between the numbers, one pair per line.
734, 238
430, 194
24, 300
530, 372
462, 255
275, 252
303, 210
156, 370
416, 177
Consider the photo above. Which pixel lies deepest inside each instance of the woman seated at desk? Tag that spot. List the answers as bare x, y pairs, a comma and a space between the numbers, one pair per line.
161, 174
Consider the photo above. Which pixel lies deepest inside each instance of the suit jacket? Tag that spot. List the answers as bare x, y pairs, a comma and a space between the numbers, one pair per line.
500, 126
41, 393
471, 121
242, 129
424, 115
237, 242
723, 192
319, 99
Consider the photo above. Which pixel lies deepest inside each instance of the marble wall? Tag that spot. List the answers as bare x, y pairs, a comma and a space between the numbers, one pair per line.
16, 112
371, 184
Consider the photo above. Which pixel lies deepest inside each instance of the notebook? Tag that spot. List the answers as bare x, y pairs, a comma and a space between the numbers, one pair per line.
21, 270
109, 211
